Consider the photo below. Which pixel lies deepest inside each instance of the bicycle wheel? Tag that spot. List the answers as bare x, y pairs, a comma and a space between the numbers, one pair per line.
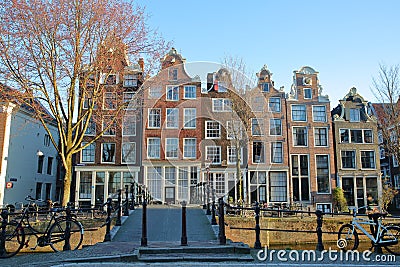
14, 240
347, 237
57, 234
392, 233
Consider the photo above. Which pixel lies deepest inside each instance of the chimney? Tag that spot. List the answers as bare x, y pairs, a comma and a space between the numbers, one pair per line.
141, 63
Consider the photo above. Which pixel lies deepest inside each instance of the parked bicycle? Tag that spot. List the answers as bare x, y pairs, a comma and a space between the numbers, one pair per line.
60, 232
382, 236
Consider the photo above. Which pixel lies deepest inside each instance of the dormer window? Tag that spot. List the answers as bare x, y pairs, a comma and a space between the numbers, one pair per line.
130, 80
108, 78
265, 87
307, 93
354, 115
173, 74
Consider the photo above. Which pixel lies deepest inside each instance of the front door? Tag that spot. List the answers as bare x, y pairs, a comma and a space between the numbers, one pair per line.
170, 194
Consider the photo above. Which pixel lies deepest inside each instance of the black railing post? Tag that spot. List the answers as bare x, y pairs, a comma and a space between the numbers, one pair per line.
221, 221
143, 241
4, 216
126, 210
184, 234
257, 244
67, 233
374, 232
213, 219
132, 207
119, 209
320, 245
107, 237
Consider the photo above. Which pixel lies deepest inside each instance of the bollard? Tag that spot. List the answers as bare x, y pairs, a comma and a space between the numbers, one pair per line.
107, 237
213, 219
184, 235
3, 236
126, 210
257, 244
132, 207
143, 241
67, 232
208, 200
221, 221
118, 221
320, 245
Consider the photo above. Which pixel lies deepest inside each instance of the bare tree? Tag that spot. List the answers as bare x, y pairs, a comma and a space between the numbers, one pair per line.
60, 54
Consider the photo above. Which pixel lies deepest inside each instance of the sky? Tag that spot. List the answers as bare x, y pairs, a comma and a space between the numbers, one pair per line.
345, 41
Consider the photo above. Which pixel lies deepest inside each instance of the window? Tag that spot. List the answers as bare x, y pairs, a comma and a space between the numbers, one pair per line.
88, 153
275, 127
172, 93
154, 180
85, 185
356, 136
299, 113
190, 92
40, 164
300, 136
319, 113
348, 159
256, 127
48, 191
321, 136
114, 183
128, 103
38, 194
344, 136
91, 128
193, 175
276, 152
171, 147
368, 136
189, 148
220, 183
354, 115
170, 175
300, 178
109, 126
395, 162
322, 173
154, 119
129, 126
189, 118
213, 130
173, 74
130, 80
258, 152
221, 87
110, 100
46, 140
128, 152
396, 181
155, 92
232, 155
108, 78
221, 105
307, 93
172, 117
277, 187
108, 153
49, 165
265, 87
153, 148
214, 154
382, 153
274, 104
367, 159
183, 183
234, 130
258, 104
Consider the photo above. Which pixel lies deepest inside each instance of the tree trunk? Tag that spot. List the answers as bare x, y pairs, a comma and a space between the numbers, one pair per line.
67, 181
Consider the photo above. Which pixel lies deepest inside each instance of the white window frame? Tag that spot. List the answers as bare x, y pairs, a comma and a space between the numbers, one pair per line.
207, 129
175, 146
270, 124
130, 80
172, 74
263, 87
112, 129
148, 118
299, 105
155, 92
260, 123
131, 122
185, 148
128, 100
159, 147
329, 173
208, 155
355, 159
92, 145
174, 94
374, 158
133, 151
395, 162
313, 114
351, 115
304, 93
226, 105
238, 124
188, 87
272, 154
113, 97
306, 136
187, 120
263, 156
232, 148
327, 138
115, 150
174, 113
280, 104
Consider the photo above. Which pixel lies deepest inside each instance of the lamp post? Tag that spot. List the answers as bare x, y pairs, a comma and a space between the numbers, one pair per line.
208, 190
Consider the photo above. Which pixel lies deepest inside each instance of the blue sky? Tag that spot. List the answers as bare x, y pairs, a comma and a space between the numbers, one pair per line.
344, 40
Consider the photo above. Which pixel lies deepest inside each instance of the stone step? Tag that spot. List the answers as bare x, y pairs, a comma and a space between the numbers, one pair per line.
216, 249
195, 257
